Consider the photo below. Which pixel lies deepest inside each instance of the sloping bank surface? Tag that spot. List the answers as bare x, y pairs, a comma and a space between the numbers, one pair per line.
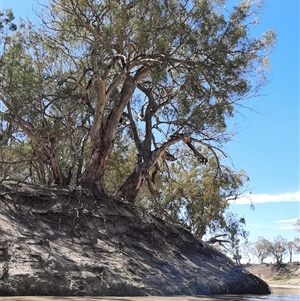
63, 242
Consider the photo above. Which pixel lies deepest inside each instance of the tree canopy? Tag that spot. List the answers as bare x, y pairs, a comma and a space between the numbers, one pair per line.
130, 83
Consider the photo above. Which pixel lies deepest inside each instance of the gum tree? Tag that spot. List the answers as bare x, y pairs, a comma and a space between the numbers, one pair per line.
195, 195
261, 248
278, 249
169, 72
7, 26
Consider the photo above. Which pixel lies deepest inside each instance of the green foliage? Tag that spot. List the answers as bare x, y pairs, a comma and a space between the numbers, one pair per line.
261, 248
119, 166
6, 21
194, 195
278, 248
190, 65
38, 107
233, 227
278, 278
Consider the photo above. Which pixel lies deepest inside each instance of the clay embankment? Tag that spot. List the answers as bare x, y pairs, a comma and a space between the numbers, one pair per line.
62, 242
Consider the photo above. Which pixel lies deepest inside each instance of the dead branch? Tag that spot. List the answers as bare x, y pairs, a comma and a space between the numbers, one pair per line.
216, 239
168, 157
188, 142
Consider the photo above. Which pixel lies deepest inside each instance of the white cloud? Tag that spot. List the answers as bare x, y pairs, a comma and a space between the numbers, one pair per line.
285, 228
291, 220
267, 198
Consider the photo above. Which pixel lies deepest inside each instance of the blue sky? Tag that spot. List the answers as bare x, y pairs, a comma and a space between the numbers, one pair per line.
267, 146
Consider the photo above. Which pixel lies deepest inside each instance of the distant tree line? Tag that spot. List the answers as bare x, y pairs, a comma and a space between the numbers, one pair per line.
277, 249
241, 250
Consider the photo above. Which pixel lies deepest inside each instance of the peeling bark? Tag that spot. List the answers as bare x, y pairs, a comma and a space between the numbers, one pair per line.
103, 137
130, 188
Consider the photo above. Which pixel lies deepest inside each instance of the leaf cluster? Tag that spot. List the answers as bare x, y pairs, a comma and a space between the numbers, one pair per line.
170, 70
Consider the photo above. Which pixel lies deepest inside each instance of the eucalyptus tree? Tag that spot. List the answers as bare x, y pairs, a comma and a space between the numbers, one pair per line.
292, 247
6, 23
233, 227
278, 248
194, 195
261, 248
173, 71
7, 26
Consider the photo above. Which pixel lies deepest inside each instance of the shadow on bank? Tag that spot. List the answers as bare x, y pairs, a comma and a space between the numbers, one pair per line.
60, 242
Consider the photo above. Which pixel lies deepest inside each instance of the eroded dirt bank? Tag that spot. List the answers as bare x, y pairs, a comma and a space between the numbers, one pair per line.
63, 242
286, 275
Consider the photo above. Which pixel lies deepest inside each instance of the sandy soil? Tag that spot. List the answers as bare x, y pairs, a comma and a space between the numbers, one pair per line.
286, 276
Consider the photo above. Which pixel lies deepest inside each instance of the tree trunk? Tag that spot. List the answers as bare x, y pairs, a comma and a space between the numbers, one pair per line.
96, 170
58, 176
130, 188
103, 138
